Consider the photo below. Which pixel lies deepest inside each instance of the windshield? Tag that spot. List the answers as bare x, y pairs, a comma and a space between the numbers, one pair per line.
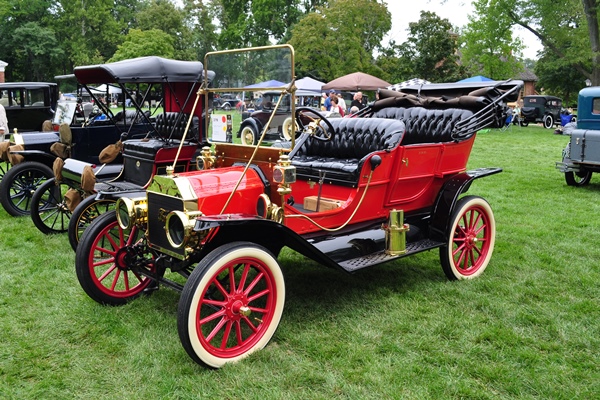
245, 75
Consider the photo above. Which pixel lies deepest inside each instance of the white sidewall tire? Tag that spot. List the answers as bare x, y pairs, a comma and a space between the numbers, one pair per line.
207, 276
287, 129
457, 215
245, 132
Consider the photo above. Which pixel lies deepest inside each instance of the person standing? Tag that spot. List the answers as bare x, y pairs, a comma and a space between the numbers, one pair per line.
357, 101
3, 124
327, 103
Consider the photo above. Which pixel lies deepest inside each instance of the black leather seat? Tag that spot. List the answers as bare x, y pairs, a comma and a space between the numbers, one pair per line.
343, 157
425, 125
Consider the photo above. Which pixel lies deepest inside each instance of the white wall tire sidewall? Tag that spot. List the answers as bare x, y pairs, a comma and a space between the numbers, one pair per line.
492, 239
208, 275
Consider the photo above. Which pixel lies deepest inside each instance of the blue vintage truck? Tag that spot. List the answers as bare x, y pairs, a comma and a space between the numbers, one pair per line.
581, 157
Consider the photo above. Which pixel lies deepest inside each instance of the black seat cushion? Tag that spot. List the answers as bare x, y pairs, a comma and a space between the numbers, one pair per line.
342, 157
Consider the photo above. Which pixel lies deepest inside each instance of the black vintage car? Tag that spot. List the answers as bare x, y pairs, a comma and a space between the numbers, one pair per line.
281, 125
544, 109
84, 143
28, 104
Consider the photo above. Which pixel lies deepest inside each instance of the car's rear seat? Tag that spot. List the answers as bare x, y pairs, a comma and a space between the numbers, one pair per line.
342, 157
424, 125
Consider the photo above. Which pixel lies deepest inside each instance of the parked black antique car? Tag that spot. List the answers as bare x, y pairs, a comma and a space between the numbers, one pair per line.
281, 125
28, 104
178, 81
84, 143
544, 109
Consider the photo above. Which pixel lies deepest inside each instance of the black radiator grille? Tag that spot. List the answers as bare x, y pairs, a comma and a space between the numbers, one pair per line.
159, 206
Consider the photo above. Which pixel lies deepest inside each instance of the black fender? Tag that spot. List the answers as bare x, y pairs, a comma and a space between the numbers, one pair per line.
448, 196
267, 233
37, 156
116, 195
253, 123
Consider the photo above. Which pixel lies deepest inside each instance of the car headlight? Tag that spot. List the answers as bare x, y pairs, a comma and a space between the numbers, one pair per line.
180, 228
131, 212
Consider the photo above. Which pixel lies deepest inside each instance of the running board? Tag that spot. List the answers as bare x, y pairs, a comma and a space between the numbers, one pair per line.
380, 257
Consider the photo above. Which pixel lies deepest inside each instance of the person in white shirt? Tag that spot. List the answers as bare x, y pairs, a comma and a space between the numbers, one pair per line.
4, 132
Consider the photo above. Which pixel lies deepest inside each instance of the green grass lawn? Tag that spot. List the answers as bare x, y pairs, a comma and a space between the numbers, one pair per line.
528, 328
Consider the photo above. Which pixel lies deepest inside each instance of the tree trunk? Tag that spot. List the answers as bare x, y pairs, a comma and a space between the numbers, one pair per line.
591, 15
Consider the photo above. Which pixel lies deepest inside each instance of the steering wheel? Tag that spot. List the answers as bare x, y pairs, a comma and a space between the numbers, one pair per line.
315, 123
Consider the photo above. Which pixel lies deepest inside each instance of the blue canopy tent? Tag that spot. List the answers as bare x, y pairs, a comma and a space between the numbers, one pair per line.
477, 78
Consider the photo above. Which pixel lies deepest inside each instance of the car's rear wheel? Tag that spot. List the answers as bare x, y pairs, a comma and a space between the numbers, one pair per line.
471, 238
20, 183
581, 178
548, 121
249, 136
83, 215
108, 261
226, 107
231, 304
49, 211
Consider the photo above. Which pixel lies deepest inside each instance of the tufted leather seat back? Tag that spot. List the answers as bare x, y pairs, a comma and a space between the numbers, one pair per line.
425, 125
342, 157
355, 138
172, 125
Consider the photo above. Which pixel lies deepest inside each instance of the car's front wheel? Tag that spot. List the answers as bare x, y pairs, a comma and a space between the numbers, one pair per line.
109, 260
249, 135
49, 210
20, 183
231, 304
471, 238
84, 214
581, 178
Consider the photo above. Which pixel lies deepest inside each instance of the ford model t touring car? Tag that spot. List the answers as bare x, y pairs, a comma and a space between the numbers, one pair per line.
349, 193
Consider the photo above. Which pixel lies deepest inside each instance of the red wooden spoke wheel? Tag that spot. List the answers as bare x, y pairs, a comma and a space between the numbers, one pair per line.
105, 258
231, 304
470, 239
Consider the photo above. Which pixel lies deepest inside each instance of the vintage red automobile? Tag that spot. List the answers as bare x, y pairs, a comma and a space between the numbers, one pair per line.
352, 193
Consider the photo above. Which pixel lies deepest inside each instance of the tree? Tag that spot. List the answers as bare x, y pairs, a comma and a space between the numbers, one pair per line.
340, 39
37, 53
558, 77
200, 15
140, 43
489, 47
89, 30
165, 16
568, 29
431, 49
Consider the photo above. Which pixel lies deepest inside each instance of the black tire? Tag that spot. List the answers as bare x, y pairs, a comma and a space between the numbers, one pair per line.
226, 107
83, 215
4, 166
18, 185
471, 236
523, 123
104, 264
548, 121
249, 136
581, 178
222, 318
49, 211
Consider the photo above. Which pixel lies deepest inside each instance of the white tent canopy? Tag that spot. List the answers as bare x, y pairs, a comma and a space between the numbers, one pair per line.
102, 89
